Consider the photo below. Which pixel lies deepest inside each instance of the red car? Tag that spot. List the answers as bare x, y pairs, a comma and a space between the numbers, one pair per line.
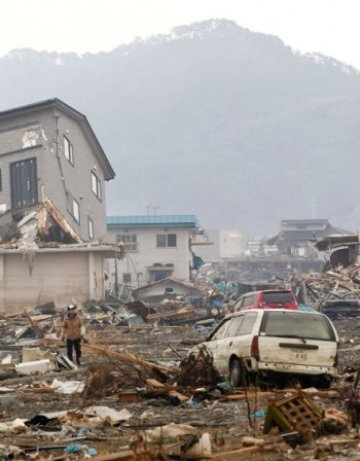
268, 299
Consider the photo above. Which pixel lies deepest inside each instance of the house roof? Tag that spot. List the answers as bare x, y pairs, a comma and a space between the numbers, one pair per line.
183, 221
309, 224
167, 281
306, 235
305, 230
73, 113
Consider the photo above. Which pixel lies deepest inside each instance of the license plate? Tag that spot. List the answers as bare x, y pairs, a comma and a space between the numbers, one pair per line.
296, 355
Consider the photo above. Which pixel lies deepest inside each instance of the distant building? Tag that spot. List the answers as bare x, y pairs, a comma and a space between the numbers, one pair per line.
156, 247
297, 237
223, 244
341, 250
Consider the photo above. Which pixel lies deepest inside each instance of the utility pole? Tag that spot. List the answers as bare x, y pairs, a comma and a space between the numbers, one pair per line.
148, 208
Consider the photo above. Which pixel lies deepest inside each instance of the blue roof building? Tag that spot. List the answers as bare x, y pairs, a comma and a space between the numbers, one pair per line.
178, 221
156, 247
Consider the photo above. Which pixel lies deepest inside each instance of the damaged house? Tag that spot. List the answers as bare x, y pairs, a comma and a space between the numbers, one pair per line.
168, 288
52, 207
297, 236
341, 251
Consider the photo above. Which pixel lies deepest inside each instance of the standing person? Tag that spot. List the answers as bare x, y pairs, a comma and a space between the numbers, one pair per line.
73, 329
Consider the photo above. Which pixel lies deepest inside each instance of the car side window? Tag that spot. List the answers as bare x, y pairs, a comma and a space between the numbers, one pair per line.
234, 326
219, 333
248, 323
248, 300
239, 304
245, 301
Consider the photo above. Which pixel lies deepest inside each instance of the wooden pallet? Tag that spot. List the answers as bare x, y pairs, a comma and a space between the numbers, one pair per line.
295, 413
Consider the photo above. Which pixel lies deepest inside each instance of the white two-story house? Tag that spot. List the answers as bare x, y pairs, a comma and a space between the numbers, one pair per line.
156, 247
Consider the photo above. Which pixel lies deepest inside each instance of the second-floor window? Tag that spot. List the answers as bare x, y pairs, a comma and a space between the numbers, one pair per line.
68, 150
91, 228
166, 240
76, 210
96, 185
129, 241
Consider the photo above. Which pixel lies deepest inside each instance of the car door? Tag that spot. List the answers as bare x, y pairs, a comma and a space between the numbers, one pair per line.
226, 344
240, 345
236, 341
213, 344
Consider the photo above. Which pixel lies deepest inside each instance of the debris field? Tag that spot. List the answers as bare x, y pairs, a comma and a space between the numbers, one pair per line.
140, 396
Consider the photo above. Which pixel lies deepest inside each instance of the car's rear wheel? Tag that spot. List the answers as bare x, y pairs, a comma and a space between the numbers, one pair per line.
238, 374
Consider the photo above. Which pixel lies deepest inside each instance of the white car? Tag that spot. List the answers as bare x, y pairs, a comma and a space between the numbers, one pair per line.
275, 345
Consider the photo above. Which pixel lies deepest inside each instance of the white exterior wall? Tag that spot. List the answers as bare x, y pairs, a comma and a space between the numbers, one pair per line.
233, 243
58, 277
225, 244
148, 254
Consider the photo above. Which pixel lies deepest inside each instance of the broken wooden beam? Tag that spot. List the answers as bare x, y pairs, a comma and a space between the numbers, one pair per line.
130, 358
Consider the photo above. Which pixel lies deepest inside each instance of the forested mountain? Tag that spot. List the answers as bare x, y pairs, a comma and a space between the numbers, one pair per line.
214, 120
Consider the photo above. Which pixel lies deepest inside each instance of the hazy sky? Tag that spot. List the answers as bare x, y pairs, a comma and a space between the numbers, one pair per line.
327, 26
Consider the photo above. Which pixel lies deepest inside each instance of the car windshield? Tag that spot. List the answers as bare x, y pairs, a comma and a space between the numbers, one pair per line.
299, 325
278, 297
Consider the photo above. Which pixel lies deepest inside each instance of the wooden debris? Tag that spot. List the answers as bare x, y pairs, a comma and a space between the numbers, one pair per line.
168, 390
130, 358
167, 316
38, 332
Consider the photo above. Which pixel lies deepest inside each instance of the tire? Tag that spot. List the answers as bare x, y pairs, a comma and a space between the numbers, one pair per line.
238, 374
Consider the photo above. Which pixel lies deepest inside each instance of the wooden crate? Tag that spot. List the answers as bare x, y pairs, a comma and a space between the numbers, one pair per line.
295, 413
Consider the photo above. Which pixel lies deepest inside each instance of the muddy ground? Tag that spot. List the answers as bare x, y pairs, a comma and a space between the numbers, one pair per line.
227, 421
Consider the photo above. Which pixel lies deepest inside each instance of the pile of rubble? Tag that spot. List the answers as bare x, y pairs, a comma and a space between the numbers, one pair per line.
142, 394
339, 287
158, 403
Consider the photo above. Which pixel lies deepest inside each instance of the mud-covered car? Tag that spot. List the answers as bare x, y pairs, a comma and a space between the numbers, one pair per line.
275, 346
338, 304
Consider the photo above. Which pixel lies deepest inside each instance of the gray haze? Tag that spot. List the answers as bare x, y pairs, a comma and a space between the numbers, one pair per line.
213, 120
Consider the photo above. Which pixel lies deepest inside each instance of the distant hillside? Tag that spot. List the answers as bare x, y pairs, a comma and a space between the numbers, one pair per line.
214, 120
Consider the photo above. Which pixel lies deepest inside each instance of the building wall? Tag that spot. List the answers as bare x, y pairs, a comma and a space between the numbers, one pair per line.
61, 180
77, 182
233, 243
13, 148
58, 277
137, 262
225, 244
209, 252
